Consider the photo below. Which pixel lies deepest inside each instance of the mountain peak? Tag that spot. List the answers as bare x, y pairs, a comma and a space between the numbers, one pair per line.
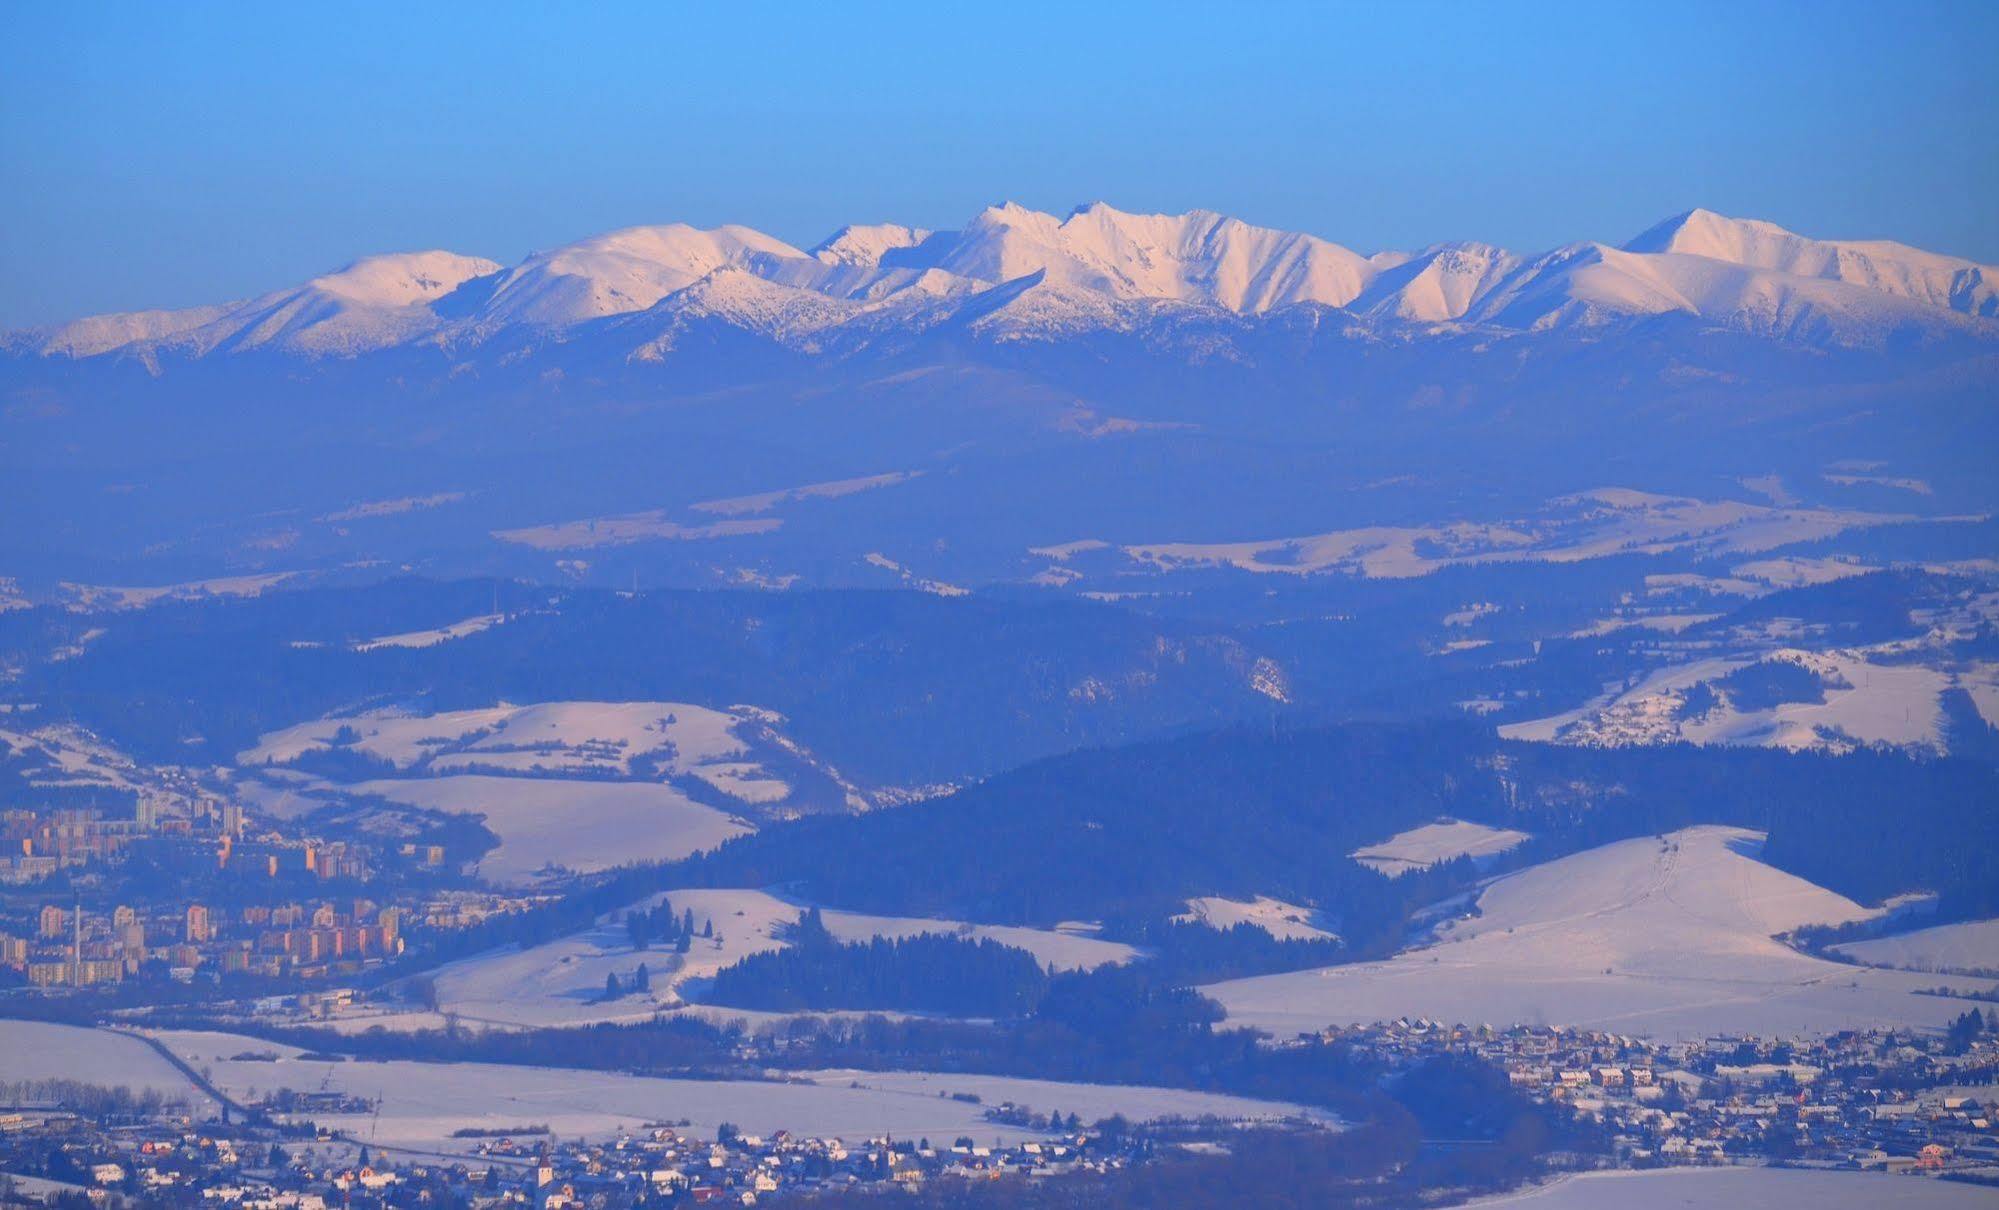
864, 244
1700, 232
1878, 265
402, 279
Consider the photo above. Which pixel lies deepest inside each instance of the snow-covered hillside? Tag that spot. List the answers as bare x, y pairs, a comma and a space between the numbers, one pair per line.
1098, 268
567, 787
560, 982
1661, 935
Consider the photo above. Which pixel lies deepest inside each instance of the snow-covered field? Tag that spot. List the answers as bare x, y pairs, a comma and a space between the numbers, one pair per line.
1662, 936
559, 983
1741, 1189
551, 737
652, 525
576, 824
431, 638
1435, 842
102, 596
1868, 700
763, 502
1589, 525
423, 1103
1970, 946
35, 1050
1274, 916
1088, 1101
580, 785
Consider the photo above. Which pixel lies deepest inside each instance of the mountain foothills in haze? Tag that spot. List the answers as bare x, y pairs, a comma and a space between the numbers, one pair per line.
1401, 724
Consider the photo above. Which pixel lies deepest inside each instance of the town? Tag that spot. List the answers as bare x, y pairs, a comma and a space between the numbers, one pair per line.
1924, 1106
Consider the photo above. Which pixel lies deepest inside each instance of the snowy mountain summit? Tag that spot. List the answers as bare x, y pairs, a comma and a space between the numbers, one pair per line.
1016, 273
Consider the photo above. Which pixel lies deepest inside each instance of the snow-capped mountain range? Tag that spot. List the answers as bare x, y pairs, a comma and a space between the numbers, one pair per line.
1013, 273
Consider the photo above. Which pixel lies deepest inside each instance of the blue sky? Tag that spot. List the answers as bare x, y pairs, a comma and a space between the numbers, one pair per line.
171, 154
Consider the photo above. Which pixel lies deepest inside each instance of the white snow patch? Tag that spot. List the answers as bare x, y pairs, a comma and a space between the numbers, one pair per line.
762, 502
1284, 921
579, 826
1972, 945
1435, 842
36, 1050
431, 638
1741, 1189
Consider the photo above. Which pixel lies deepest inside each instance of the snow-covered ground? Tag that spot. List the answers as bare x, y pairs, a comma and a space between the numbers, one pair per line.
1274, 916
431, 638
1794, 572
423, 1103
1435, 842
1867, 700
1589, 525
577, 824
1741, 1189
554, 737
763, 502
560, 982
581, 785
1661, 936
102, 596
1969, 946
35, 1050
651, 525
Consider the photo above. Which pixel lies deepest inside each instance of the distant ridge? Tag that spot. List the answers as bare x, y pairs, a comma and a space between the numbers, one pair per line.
1097, 267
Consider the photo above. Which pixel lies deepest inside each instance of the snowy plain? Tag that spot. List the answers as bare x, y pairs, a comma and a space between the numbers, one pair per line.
421, 1104
37, 1050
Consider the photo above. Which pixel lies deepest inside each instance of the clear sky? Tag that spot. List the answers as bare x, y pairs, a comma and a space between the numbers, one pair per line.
170, 154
